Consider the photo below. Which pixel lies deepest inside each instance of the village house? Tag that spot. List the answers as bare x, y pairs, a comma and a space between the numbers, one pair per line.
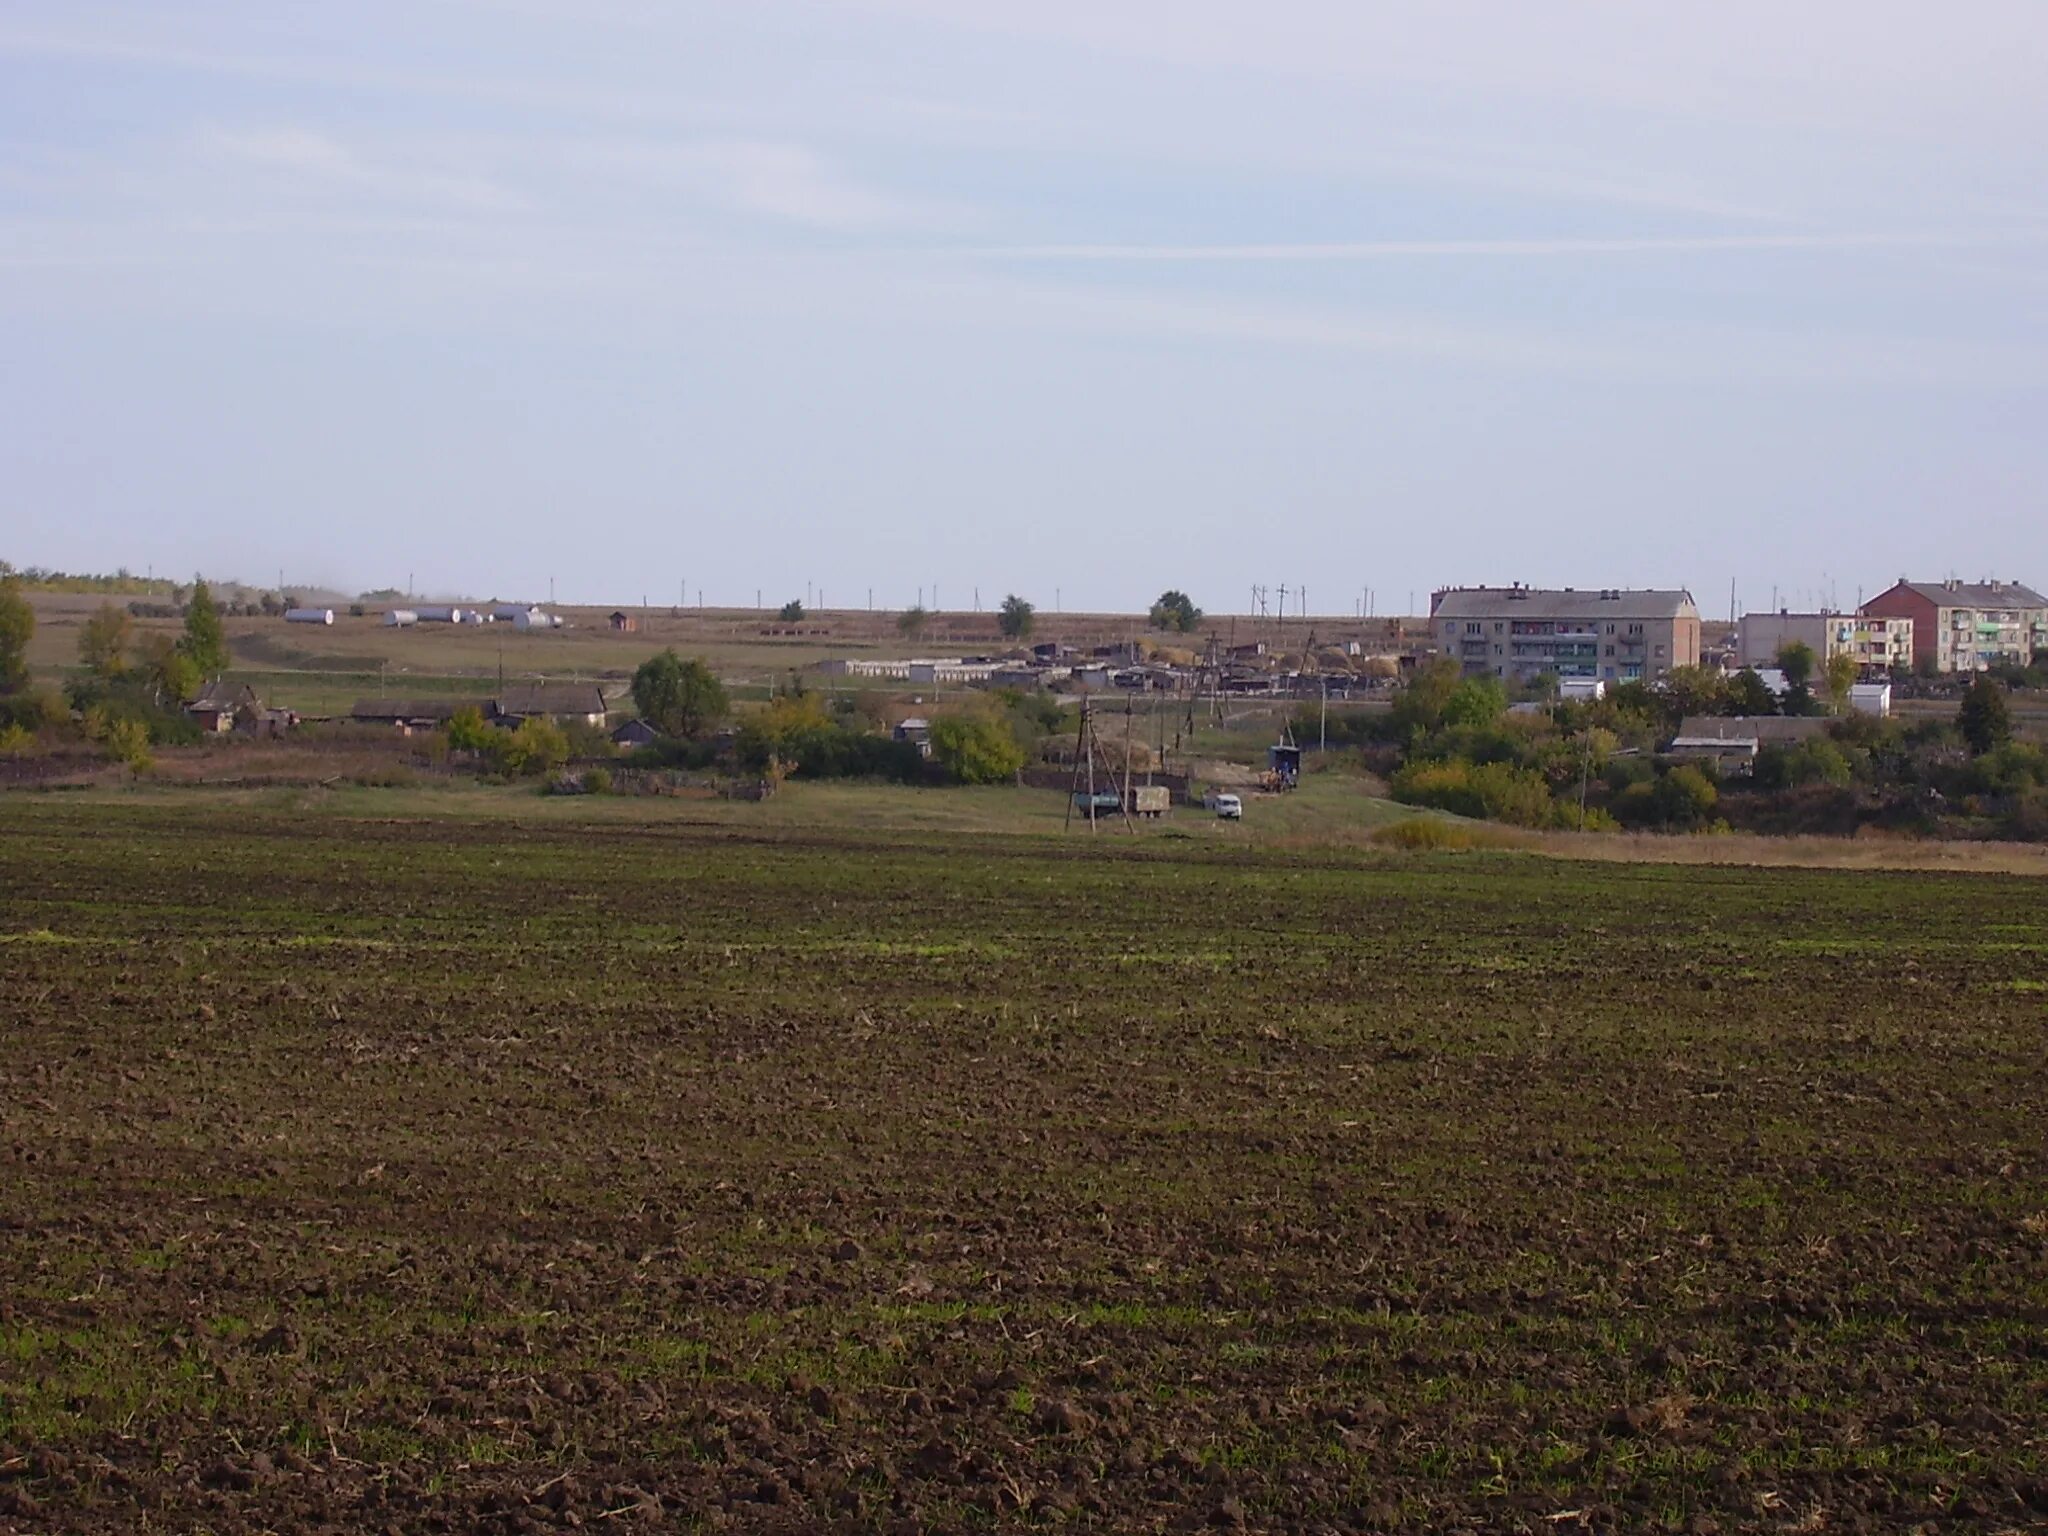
222, 706
563, 703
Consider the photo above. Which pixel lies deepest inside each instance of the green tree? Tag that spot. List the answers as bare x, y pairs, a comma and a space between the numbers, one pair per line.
538, 746
911, 622
1986, 716
205, 642
1175, 611
1838, 676
17, 628
1749, 694
103, 642
171, 674
1017, 617
792, 612
1476, 701
1694, 691
679, 698
468, 731
1422, 700
1796, 660
974, 750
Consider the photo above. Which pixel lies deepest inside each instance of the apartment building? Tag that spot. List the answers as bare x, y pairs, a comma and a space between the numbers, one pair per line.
1875, 642
1610, 634
1968, 626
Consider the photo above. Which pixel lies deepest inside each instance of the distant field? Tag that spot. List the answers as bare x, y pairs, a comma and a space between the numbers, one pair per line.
810, 1165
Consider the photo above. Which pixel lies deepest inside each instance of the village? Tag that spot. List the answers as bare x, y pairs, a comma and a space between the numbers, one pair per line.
1125, 715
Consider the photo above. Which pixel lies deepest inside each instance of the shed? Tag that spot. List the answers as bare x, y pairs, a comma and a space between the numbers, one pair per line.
622, 622
409, 715
635, 733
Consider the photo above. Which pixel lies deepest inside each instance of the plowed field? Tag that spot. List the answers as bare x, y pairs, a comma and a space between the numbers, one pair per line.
446, 1175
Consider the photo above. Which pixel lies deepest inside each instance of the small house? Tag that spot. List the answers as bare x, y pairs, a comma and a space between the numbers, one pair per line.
635, 733
917, 731
622, 622
221, 706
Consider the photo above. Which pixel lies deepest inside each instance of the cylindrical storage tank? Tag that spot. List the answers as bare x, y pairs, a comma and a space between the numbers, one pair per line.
398, 617
438, 615
309, 616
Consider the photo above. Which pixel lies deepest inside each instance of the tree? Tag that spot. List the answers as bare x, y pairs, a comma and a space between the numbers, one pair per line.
1986, 716
1838, 676
1017, 617
976, 751
679, 698
17, 627
1176, 611
170, 673
1476, 701
538, 746
1749, 694
1796, 661
792, 612
1421, 703
468, 731
911, 622
205, 643
103, 642
1695, 691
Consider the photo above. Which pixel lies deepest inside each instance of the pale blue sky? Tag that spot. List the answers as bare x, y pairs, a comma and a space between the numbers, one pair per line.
1106, 297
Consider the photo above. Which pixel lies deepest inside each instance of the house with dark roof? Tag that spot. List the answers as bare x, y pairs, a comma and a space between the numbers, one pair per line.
563, 703
222, 705
1968, 626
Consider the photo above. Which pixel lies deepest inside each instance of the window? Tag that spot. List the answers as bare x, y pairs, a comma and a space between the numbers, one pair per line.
1610, 649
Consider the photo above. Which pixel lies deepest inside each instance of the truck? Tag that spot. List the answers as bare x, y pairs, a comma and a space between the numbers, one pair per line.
1150, 800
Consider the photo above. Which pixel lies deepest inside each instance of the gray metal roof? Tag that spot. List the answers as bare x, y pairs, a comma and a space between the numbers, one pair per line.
1977, 594
1568, 603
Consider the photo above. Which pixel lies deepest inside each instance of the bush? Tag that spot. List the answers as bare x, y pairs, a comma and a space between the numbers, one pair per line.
974, 750
1484, 791
1682, 799
597, 781
537, 747
1425, 834
127, 741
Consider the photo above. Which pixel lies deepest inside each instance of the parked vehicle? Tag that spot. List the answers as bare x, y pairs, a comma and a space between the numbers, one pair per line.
1150, 800
1229, 807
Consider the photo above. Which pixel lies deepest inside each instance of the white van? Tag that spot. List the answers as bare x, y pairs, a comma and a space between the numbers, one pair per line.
1229, 807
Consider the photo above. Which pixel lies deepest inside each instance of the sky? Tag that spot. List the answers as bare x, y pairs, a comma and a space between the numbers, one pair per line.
1073, 299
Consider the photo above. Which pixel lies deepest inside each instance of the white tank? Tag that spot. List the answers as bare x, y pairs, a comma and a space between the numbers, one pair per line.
398, 618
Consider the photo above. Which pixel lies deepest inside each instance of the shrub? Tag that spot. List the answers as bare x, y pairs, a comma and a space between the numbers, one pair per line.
127, 741
537, 747
1486, 791
15, 742
976, 751
597, 781
1425, 834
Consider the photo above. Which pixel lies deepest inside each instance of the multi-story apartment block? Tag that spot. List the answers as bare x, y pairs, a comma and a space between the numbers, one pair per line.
1968, 626
1878, 643
1523, 632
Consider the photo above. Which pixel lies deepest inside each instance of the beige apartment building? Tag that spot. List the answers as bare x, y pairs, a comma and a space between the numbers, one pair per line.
1611, 634
1968, 626
1876, 641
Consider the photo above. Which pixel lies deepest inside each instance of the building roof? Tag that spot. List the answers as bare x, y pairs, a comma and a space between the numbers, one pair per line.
1763, 729
1567, 603
1974, 594
225, 696
409, 709
553, 699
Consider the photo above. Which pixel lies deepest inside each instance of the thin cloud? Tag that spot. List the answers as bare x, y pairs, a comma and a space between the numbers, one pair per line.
316, 158
1378, 250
